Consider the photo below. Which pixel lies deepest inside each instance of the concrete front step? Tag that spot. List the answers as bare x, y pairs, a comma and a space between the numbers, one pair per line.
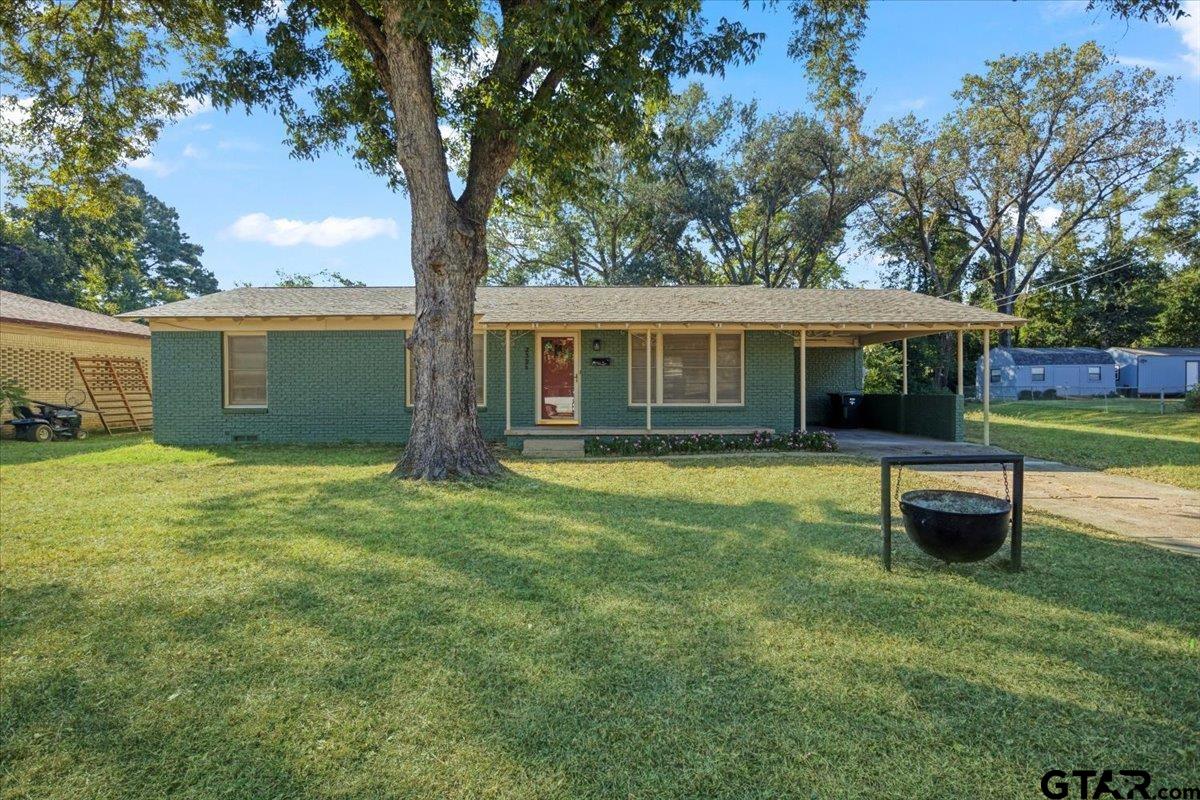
553, 448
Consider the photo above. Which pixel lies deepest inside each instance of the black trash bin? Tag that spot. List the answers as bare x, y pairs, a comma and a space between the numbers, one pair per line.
845, 409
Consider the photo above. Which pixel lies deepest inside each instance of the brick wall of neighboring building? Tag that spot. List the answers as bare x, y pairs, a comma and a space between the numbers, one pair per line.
39, 359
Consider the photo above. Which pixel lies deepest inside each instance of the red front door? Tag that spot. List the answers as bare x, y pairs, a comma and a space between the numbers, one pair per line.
557, 391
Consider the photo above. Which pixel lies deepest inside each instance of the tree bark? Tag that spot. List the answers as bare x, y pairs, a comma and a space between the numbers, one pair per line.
449, 255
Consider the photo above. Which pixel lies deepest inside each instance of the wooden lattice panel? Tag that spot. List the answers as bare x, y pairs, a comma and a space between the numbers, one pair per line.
119, 390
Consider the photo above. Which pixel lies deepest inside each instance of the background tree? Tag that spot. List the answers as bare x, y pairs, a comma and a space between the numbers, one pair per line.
1064, 130
1105, 296
305, 280
770, 196
909, 225
1178, 324
130, 256
1115, 293
618, 223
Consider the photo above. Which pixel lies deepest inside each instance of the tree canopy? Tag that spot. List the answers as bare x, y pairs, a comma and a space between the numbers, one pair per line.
770, 195
133, 256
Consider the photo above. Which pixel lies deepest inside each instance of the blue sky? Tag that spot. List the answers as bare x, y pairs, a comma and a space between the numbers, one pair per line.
255, 210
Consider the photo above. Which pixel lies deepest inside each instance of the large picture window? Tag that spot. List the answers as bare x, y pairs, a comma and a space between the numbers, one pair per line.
687, 369
480, 357
246, 370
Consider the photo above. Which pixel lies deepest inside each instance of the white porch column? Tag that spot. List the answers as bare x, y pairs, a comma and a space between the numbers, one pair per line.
960, 364
803, 380
507, 380
987, 387
904, 378
649, 424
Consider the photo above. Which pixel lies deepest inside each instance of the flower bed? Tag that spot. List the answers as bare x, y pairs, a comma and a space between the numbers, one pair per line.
661, 445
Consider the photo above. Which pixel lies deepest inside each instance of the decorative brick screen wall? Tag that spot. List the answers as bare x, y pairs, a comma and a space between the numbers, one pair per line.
39, 359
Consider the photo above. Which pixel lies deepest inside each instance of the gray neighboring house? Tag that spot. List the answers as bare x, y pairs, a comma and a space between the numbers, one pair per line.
1154, 370
1030, 372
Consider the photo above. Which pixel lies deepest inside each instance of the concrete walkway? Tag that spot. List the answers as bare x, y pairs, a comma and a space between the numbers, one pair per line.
1153, 513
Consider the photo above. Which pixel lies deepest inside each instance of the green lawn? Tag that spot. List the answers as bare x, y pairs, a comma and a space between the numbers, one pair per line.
1122, 436
272, 622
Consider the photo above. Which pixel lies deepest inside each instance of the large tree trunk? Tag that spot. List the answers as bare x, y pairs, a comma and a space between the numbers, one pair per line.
449, 258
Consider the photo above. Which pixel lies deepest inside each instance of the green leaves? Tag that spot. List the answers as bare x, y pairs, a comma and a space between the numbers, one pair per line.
770, 195
132, 256
86, 88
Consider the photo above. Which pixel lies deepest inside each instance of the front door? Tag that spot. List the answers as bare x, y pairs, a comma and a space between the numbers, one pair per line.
558, 379
1191, 375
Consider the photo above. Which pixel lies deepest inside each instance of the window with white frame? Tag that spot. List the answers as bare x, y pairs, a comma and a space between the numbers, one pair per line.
995, 377
1038, 373
693, 369
479, 353
246, 370
1093, 374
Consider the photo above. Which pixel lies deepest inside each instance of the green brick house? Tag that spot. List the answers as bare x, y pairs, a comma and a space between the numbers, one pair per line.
330, 364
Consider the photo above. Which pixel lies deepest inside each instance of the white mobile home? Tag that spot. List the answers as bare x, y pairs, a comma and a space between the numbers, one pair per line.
1154, 370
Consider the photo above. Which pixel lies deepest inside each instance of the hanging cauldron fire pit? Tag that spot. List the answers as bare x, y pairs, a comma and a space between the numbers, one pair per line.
955, 526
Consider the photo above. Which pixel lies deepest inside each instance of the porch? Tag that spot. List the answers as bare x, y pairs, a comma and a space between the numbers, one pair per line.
577, 432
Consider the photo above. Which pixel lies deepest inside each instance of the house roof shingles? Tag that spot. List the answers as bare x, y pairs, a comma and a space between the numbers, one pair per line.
19, 308
565, 304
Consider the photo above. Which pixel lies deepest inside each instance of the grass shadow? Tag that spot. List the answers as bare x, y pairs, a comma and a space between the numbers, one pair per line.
307, 626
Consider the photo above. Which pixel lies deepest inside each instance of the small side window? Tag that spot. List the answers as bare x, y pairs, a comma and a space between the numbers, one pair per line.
1038, 373
1094, 374
246, 370
995, 376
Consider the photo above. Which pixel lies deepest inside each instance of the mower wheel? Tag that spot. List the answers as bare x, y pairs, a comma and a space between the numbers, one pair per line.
81, 434
42, 433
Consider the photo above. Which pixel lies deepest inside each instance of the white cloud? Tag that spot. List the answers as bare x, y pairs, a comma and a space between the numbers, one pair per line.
1149, 63
1189, 32
14, 113
191, 151
193, 106
1185, 63
329, 232
243, 145
15, 110
150, 163
908, 104
1062, 8
1047, 216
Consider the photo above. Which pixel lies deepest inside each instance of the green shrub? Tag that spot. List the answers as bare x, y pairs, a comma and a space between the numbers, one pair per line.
12, 394
661, 444
1025, 394
1191, 400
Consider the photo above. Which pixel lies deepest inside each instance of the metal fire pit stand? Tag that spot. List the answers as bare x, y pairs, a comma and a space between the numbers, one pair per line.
1018, 495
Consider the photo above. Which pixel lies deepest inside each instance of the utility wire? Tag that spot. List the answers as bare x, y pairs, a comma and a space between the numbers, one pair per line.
1181, 239
1124, 261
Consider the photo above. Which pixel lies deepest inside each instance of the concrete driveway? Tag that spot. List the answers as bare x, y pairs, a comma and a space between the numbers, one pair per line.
1153, 513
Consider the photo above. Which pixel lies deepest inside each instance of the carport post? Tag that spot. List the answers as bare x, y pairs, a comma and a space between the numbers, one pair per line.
987, 388
904, 350
960, 366
803, 380
649, 425
507, 380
